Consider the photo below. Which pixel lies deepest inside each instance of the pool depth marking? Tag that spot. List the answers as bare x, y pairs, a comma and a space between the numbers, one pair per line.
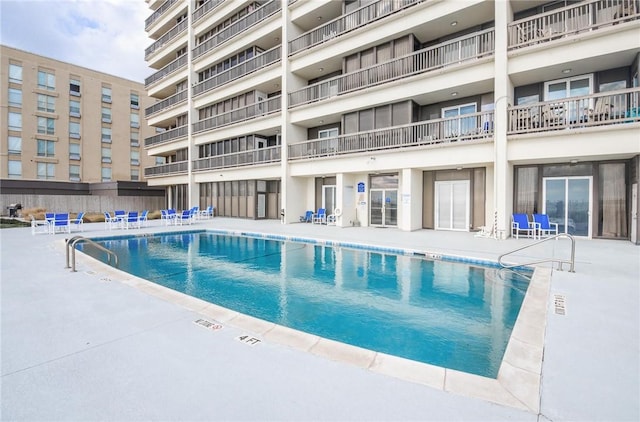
247, 339
208, 324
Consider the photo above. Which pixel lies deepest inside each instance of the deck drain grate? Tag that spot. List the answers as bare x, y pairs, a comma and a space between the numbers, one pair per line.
560, 304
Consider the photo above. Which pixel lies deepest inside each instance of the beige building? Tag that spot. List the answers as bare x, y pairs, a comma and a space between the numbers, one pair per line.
66, 123
415, 114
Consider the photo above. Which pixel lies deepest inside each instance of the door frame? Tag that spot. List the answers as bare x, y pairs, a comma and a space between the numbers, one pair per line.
590, 208
436, 203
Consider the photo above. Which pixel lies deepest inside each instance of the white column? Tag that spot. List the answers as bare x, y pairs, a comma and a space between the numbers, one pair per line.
410, 200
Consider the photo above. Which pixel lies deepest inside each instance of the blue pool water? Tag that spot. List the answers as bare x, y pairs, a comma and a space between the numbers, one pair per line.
447, 314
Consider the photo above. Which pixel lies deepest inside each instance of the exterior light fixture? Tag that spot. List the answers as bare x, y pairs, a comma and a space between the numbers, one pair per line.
566, 71
573, 162
454, 94
454, 23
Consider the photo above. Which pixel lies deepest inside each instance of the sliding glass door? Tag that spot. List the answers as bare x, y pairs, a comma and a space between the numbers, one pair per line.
567, 201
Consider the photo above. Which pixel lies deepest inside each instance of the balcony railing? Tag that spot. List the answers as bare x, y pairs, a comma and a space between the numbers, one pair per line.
239, 159
446, 54
249, 66
605, 108
584, 16
262, 108
348, 22
180, 167
168, 136
159, 12
205, 9
466, 128
172, 67
237, 27
168, 102
164, 39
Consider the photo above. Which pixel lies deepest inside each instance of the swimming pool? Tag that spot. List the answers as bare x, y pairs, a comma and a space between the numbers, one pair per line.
447, 314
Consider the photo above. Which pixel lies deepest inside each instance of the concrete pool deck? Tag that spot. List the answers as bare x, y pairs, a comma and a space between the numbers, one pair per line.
87, 346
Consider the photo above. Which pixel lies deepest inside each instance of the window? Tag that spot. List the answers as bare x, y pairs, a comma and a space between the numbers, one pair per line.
74, 130
106, 115
74, 172
74, 87
106, 174
135, 158
160, 161
15, 97
15, 144
15, 169
15, 121
570, 87
106, 134
135, 174
74, 108
46, 80
74, 151
46, 103
135, 120
330, 144
135, 101
46, 170
46, 125
135, 139
106, 94
15, 73
106, 154
46, 148
459, 126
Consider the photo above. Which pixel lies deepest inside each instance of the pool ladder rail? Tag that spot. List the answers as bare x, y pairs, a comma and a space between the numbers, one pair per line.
571, 261
71, 244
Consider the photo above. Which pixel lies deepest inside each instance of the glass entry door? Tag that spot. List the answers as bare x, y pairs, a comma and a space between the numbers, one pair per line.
452, 205
567, 202
329, 198
384, 207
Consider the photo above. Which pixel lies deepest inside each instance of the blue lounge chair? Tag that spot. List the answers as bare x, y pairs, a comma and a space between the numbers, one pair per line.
186, 217
208, 212
132, 220
521, 223
320, 217
144, 219
110, 221
77, 223
61, 223
544, 226
40, 226
307, 217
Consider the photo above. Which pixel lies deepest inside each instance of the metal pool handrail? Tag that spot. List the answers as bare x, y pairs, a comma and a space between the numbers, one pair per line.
571, 261
71, 243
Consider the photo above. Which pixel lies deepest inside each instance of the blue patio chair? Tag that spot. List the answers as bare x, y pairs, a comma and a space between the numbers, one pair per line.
77, 223
307, 217
40, 226
544, 225
521, 223
61, 223
208, 212
320, 217
144, 218
186, 217
132, 220
110, 221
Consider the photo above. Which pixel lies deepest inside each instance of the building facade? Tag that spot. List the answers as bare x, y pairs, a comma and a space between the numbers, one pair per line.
445, 115
66, 123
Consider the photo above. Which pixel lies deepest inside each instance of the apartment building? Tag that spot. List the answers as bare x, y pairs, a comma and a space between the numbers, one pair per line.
66, 123
415, 114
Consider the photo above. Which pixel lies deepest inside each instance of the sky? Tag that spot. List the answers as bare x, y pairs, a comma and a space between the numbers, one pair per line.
103, 35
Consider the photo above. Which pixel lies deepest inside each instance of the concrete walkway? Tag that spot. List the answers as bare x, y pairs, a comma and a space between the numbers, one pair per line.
84, 346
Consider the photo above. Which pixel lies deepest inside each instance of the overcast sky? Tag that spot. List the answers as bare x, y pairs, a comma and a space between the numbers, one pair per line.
103, 35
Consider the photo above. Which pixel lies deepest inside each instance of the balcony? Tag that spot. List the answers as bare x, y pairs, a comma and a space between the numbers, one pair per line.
467, 128
570, 20
203, 10
168, 136
174, 66
164, 40
345, 23
168, 102
180, 167
602, 109
249, 66
262, 108
452, 52
239, 159
158, 13
237, 28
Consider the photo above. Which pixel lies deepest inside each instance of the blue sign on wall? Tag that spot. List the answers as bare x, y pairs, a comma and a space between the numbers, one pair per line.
360, 187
